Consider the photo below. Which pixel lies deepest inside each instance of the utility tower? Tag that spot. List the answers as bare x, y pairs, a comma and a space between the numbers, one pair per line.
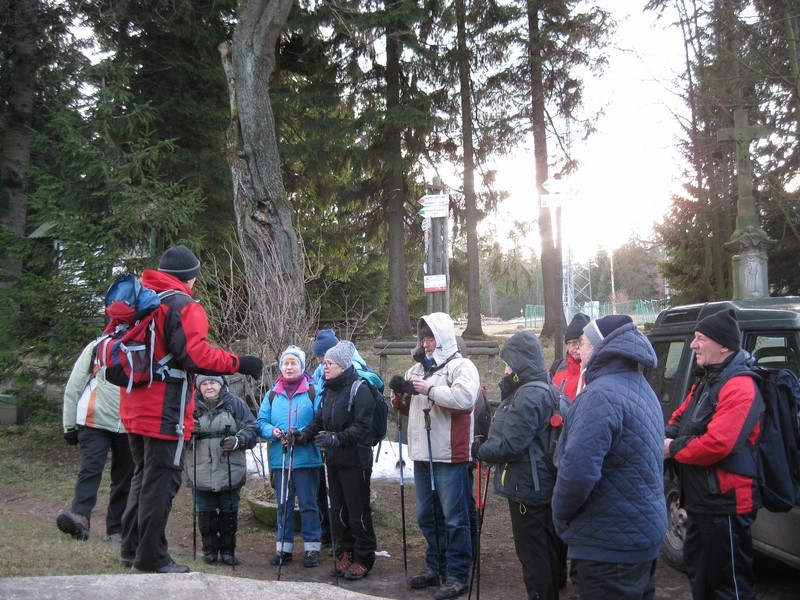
577, 286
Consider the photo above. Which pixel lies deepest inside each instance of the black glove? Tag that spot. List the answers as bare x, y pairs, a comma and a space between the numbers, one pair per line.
400, 385
325, 439
294, 437
231, 443
71, 436
476, 446
251, 365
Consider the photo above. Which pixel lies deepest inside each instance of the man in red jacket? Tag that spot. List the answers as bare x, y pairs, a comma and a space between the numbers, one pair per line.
158, 417
708, 428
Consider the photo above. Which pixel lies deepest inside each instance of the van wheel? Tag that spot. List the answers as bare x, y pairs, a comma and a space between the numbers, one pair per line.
672, 546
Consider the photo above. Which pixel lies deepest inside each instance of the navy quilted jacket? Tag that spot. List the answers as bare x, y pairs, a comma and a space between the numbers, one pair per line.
608, 503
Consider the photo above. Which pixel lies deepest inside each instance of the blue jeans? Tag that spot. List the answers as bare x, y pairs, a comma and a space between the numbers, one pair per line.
616, 581
303, 483
446, 511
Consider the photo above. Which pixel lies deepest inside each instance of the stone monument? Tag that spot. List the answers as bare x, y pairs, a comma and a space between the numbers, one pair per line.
749, 242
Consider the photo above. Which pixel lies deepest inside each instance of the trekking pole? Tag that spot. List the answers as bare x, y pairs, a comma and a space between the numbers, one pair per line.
330, 514
286, 509
230, 496
194, 497
281, 520
402, 489
427, 412
476, 565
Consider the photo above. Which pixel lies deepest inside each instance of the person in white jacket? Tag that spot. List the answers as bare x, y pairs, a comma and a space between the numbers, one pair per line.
445, 387
91, 420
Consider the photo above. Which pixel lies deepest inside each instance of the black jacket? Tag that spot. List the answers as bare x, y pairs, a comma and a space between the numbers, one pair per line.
351, 422
521, 432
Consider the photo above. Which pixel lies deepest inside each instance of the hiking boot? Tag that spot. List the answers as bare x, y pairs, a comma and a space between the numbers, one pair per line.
423, 580
113, 538
126, 562
342, 564
73, 524
451, 589
232, 561
356, 571
281, 558
311, 558
209, 557
170, 567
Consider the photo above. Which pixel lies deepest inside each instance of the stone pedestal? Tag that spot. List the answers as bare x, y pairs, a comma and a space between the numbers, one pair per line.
749, 249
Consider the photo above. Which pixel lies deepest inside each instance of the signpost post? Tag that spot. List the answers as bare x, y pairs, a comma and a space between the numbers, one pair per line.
434, 211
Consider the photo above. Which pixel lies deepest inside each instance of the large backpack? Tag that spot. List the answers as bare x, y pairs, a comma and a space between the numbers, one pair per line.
127, 346
381, 413
775, 460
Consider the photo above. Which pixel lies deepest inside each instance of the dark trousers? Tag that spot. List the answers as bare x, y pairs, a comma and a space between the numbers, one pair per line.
535, 543
718, 554
155, 482
351, 527
615, 581
95, 444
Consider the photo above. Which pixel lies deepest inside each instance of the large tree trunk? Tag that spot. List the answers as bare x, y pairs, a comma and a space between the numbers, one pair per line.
399, 316
473, 329
263, 210
17, 137
552, 276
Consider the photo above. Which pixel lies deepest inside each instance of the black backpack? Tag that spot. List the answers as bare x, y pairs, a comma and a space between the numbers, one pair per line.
775, 459
482, 415
380, 415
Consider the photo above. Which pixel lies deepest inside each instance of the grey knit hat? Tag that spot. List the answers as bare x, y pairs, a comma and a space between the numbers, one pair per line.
342, 354
179, 262
600, 329
201, 378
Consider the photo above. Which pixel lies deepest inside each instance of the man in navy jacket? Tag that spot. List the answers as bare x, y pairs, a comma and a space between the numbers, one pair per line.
608, 502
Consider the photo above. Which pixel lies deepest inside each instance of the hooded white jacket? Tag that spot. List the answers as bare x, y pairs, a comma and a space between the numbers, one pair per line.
455, 387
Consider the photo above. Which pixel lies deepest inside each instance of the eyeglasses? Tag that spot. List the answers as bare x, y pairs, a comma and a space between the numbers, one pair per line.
574, 343
328, 364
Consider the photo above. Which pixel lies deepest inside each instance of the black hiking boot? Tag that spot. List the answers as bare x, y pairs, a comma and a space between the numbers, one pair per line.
73, 524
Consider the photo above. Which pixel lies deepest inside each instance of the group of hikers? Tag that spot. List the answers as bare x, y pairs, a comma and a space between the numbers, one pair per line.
577, 450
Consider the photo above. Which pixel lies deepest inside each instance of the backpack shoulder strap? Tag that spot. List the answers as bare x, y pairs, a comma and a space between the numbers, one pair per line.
353, 391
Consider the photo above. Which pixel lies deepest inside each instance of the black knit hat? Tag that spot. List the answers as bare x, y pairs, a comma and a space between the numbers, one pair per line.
575, 327
180, 262
723, 328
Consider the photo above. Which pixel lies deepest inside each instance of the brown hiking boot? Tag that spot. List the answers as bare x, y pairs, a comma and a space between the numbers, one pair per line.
73, 524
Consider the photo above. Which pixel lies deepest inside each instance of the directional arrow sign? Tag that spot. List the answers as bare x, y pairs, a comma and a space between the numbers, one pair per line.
432, 200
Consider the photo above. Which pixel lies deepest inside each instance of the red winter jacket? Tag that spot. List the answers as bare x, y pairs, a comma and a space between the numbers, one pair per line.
707, 428
181, 327
568, 370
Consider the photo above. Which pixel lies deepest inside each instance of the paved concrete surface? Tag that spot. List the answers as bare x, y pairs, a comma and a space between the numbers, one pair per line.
166, 587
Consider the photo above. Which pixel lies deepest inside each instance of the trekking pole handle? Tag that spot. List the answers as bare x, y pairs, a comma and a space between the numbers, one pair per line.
427, 412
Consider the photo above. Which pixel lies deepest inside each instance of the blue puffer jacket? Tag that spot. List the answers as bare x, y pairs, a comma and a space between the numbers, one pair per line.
284, 412
608, 503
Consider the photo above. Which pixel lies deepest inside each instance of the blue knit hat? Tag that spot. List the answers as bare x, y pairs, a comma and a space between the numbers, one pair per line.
326, 339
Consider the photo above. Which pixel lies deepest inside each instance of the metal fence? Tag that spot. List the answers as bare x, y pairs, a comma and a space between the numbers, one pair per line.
641, 311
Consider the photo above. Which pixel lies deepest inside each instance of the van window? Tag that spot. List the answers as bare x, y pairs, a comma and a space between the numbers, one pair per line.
776, 351
663, 377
